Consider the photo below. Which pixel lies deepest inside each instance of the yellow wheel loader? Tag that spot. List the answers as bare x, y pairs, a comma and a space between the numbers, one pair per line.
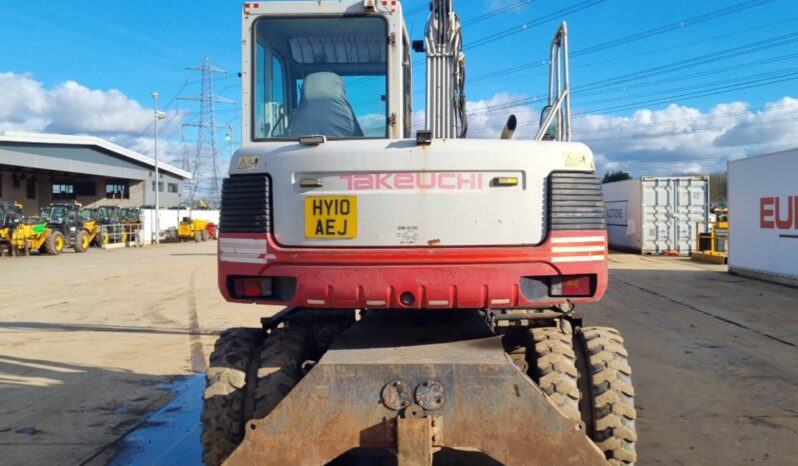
198, 230
19, 235
77, 233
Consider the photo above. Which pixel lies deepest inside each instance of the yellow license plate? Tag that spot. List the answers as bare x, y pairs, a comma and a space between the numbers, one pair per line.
331, 217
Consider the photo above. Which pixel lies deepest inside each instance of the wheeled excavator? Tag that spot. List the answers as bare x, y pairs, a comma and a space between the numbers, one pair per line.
429, 282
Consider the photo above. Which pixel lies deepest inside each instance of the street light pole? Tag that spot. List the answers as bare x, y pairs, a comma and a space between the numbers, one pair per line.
158, 116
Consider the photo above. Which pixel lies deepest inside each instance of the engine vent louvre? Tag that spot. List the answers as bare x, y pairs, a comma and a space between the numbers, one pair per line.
245, 204
576, 202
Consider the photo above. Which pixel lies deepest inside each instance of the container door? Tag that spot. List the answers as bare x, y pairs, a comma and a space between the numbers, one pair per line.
658, 198
692, 207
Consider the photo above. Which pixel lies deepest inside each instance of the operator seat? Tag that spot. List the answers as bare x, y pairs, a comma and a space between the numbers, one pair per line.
324, 109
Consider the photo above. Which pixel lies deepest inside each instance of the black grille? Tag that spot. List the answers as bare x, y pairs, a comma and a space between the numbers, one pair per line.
576, 202
245, 205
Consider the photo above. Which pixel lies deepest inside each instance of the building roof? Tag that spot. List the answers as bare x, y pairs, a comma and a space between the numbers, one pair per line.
63, 139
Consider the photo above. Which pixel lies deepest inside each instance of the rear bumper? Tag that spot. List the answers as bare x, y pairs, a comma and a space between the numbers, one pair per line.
441, 278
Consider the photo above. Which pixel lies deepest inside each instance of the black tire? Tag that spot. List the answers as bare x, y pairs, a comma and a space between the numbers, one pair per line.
80, 238
204, 235
224, 397
552, 365
280, 367
197, 236
102, 238
608, 407
49, 245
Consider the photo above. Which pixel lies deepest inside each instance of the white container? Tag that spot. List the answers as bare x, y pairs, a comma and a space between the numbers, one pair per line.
655, 215
763, 217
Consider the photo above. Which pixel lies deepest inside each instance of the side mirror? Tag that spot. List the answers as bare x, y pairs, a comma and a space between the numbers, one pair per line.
553, 131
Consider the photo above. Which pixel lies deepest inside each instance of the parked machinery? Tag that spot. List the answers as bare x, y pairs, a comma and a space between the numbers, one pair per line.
712, 244
131, 221
196, 229
78, 232
110, 219
11, 215
430, 282
21, 235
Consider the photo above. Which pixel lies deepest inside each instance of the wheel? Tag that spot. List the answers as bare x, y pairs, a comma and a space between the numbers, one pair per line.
222, 415
102, 238
60, 242
281, 358
608, 407
53, 244
82, 242
197, 236
552, 365
204, 235
239, 352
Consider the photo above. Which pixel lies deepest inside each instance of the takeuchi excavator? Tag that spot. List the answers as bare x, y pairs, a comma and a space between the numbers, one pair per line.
429, 281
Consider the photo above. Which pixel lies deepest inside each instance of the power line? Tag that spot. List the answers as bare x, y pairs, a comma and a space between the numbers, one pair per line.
761, 111
496, 12
658, 70
533, 23
684, 23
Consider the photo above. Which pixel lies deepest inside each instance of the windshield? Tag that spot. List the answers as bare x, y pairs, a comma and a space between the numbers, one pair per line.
320, 76
44, 213
57, 214
103, 213
87, 214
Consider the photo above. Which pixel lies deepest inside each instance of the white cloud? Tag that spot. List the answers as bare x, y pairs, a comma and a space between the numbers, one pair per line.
674, 139
486, 118
71, 108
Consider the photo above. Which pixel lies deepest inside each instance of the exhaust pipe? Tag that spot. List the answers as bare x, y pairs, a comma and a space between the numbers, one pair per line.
509, 127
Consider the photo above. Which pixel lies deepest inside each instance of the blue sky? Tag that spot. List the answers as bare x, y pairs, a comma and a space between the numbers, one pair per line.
136, 47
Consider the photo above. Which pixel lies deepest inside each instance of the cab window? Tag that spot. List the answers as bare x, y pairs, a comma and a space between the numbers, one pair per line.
320, 76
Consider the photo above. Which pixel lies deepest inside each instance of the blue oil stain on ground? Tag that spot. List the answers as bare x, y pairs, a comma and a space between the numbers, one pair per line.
171, 435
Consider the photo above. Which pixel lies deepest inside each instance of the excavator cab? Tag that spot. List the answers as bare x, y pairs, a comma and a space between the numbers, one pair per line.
320, 76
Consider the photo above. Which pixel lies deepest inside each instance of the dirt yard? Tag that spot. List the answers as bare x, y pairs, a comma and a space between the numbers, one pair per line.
87, 343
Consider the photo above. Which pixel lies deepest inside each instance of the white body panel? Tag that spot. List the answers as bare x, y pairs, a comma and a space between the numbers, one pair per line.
758, 245
656, 214
443, 194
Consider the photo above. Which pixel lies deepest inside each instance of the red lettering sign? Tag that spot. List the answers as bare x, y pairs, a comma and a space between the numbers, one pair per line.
414, 181
766, 213
778, 213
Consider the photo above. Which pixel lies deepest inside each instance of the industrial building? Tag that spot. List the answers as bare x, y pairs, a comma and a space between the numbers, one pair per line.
37, 169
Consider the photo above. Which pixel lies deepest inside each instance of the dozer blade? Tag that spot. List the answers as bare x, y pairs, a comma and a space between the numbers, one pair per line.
414, 383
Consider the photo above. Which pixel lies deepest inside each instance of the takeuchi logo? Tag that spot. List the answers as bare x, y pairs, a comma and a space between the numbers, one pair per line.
778, 213
414, 181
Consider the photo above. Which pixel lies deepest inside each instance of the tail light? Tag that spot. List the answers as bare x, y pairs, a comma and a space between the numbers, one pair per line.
253, 287
262, 288
568, 286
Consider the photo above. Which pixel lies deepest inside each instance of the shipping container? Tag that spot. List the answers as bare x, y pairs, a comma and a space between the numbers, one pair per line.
656, 215
763, 217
